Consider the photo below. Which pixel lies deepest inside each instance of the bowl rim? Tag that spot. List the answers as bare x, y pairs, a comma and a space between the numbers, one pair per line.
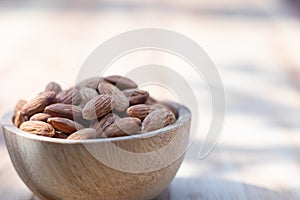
7, 123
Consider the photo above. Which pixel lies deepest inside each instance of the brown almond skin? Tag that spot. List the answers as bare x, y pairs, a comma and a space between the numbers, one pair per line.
158, 119
87, 94
119, 101
64, 110
19, 105
38, 104
70, 96
97, 107
83, 134
65, 125
40, 117
142, 110
60, 135
136, 96
106, 121
121, 82
172, 106
52, 86
38, 128
123, 127
19, 119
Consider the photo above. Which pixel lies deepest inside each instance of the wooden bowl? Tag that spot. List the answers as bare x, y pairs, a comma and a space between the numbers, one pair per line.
132, 167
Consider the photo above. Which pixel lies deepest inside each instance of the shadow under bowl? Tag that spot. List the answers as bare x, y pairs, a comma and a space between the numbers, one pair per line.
132, 167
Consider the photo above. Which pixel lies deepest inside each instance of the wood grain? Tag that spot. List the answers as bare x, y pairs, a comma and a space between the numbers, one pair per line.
93, 169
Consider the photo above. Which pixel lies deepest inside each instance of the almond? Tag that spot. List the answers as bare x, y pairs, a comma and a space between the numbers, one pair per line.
38, 128
40, 117
121, 82
172, 106
136, 96
87, 94
19, 119
97, 107
87, 133
60, 135
119, 101
65, 125
142, 110
106, 121
52, 86
38, 104
19, 105
122, 127
70, 96
64, 110
158, 119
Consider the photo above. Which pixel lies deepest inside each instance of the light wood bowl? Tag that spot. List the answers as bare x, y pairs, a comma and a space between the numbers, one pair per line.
131, 167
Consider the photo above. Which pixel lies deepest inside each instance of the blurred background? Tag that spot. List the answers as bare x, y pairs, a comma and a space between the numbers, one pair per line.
254, 44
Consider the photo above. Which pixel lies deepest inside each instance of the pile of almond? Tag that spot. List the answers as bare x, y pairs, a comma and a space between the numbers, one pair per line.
95, 108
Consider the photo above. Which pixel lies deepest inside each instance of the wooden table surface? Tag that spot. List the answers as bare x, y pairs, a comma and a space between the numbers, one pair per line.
254, 44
